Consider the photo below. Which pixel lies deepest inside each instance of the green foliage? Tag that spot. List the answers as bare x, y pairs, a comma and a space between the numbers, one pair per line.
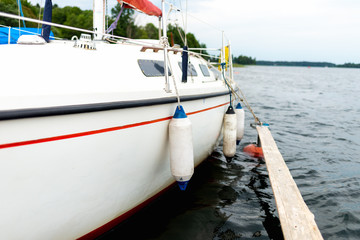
244, 60
71, 16
9, 7
349, 65
30, 11
126, 26
296, 64
192, 42
307, 64
152, 31
176, 37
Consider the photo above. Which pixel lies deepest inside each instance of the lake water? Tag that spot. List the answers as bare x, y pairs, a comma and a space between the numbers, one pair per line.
314, 116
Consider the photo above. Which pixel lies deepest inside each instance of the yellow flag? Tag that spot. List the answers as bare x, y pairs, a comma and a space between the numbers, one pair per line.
226, 58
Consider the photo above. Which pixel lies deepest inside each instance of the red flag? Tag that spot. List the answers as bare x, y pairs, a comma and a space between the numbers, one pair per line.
144, 6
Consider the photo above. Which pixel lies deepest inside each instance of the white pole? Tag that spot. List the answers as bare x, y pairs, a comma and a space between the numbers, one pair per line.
159, 28
230, 63
19, 15
9, 35
186, 21
99, 18
222, 48
223, 54
165, 42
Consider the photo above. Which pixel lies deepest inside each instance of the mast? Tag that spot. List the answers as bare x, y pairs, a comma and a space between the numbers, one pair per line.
159, 28
99, 18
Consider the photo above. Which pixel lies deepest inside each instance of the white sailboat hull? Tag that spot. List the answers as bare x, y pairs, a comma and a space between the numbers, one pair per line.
67, 175
84, 132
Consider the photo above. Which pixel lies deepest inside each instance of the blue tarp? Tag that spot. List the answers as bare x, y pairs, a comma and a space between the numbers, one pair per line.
14, 34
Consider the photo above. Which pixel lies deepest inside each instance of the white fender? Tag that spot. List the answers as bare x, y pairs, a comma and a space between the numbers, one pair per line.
240, 116
229, 139
181, 148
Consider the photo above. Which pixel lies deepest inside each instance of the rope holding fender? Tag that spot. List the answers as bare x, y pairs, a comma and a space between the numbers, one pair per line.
173, 77
242, 99
227, 84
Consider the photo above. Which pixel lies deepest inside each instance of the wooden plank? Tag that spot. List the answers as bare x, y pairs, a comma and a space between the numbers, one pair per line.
297, 222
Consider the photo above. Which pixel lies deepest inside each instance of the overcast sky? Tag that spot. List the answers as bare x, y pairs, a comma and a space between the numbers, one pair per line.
289, 30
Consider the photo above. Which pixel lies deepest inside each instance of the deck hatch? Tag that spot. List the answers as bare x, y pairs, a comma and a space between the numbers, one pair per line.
204, 70
191, 70
152, 68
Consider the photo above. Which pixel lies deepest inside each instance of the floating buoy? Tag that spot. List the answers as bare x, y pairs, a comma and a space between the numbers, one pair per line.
229, 140
181, 148
254, 151
240, 116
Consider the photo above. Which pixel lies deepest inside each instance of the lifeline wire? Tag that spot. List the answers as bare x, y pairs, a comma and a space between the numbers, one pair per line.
73, 28
39, 15
173, 77
19, 16
242, 99
22, 30
86, 31
133, 42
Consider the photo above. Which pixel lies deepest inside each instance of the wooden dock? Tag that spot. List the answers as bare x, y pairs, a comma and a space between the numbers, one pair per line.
297, 222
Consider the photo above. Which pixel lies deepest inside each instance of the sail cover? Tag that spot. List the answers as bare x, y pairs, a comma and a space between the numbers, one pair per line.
144, 6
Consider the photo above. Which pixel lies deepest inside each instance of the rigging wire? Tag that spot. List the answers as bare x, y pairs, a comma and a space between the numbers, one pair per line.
106, 15
19, 15
173, 77
40, 7
136, 42
143, 43
242, 99
181, 36
31, 33
213, 26
89, 31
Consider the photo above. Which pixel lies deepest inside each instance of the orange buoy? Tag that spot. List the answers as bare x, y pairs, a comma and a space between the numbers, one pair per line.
254, 151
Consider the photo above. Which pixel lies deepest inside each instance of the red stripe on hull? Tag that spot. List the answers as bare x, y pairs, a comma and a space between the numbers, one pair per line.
83, 134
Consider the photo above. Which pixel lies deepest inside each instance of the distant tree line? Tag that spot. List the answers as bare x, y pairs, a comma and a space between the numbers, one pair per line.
349, 65
298, 64
244, 60
307, 64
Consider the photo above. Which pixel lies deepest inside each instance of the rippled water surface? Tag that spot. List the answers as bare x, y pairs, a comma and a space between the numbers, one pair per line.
314, 116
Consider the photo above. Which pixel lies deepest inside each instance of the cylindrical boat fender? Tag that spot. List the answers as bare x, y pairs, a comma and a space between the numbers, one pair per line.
181, 148
240, 117
229, 139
